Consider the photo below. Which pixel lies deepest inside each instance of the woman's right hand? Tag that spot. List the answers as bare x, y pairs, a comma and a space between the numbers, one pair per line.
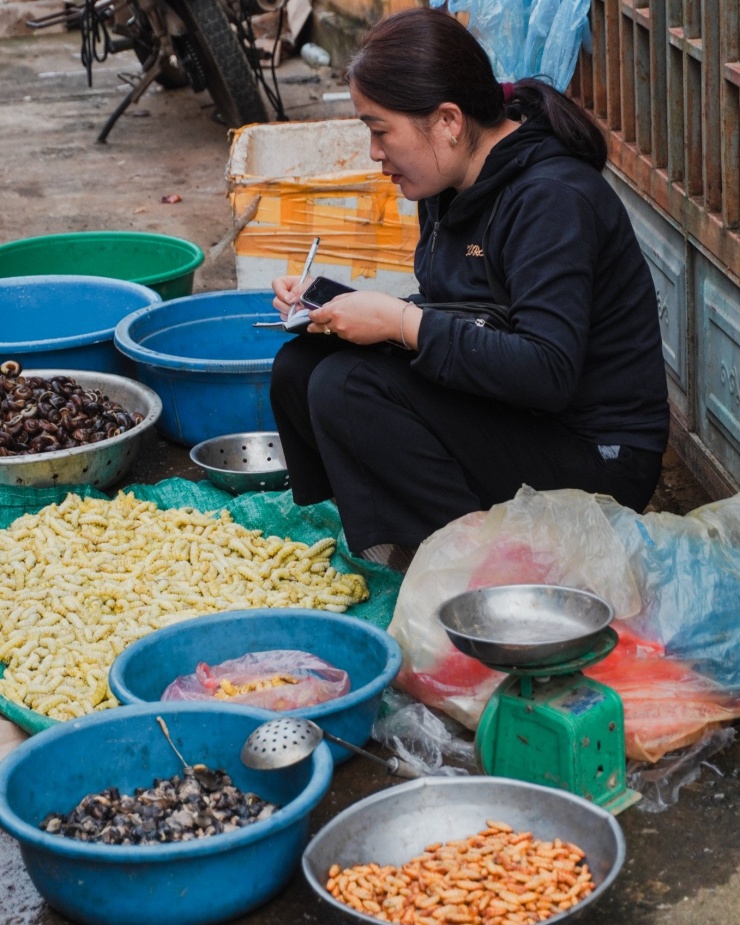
288, 290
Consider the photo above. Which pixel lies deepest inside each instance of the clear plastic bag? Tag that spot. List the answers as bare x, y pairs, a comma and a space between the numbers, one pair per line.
559, 537
660, 783
424, 740
279, 679
528, 38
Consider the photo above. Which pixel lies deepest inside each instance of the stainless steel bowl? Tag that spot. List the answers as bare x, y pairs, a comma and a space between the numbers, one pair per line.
99, 464
243, 462
396, 824
525, 625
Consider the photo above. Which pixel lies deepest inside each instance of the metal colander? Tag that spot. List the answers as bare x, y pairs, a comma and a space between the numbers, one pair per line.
243, 462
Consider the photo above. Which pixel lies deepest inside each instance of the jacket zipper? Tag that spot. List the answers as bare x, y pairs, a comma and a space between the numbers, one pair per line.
479, 322
431, 255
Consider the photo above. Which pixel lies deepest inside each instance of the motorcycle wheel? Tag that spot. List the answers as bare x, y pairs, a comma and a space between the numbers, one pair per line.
223, 62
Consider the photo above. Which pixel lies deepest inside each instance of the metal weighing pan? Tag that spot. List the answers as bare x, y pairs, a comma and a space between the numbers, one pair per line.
525, 625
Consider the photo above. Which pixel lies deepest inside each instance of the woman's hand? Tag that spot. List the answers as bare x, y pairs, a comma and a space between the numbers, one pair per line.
364, 317
288, 290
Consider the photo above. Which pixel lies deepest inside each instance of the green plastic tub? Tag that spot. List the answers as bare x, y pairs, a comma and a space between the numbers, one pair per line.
157, 261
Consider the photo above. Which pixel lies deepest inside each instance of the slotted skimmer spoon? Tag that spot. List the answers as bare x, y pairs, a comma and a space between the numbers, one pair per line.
279, 743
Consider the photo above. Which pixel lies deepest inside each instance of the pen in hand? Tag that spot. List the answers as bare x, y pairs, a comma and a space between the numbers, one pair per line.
304, 273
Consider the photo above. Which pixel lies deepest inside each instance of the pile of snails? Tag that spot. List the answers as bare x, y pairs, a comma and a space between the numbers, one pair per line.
196, 804
40, 415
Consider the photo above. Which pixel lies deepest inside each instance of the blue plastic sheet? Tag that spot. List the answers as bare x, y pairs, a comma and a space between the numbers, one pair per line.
528, 38
688, 572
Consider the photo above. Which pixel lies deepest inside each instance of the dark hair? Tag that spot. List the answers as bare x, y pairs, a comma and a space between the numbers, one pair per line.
415, 60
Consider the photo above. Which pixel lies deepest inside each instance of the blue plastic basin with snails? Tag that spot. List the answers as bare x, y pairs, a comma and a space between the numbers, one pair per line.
191, 881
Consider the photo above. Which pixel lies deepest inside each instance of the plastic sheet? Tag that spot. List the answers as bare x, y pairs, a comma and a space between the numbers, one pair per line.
528, 38
279, 679
673, 582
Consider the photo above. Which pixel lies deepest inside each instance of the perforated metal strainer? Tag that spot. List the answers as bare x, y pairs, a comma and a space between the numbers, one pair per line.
280, 743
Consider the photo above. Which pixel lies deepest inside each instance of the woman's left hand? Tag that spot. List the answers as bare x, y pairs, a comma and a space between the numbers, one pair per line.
366, 317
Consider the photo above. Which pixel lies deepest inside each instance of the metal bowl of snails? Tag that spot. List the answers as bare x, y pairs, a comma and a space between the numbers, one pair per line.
70, 427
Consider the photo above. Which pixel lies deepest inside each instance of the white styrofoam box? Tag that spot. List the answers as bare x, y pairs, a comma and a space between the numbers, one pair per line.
299, 180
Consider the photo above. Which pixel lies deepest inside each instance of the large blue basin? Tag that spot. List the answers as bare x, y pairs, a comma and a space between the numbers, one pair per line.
370, 656
206, 361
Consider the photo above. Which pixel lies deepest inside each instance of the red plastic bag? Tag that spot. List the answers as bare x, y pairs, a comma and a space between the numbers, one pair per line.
667, 705
279, 679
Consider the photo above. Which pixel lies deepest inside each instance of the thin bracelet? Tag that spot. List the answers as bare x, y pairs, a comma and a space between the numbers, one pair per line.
404, 342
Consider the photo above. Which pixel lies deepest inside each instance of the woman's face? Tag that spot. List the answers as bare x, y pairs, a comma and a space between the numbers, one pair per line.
421, 163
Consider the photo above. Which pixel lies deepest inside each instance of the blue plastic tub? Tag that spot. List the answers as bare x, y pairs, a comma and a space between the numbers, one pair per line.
206, 361
67, 322
369, 655
197, 882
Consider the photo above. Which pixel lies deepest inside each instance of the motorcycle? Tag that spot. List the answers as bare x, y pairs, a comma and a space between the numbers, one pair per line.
209, 44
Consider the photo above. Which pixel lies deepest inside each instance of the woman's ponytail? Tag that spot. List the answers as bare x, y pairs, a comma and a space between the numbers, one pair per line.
573, 126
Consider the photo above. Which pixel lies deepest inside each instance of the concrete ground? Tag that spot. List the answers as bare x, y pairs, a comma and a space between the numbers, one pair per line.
683, 865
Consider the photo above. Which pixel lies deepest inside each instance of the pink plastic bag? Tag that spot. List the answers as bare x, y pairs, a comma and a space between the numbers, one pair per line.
279, 679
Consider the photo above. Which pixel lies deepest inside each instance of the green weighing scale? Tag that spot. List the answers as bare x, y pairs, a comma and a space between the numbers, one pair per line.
547, 723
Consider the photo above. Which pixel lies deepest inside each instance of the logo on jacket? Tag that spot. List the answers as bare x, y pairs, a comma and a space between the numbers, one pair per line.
474, 250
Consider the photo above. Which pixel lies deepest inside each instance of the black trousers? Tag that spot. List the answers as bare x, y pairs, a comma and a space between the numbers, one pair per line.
403, 456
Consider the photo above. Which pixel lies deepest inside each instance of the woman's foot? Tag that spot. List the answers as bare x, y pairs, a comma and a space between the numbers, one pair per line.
396, 557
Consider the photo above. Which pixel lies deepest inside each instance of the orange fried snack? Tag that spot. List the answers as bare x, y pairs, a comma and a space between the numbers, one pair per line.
497, 877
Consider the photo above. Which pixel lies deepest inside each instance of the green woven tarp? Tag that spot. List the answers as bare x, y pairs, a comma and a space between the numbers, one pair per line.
272, 512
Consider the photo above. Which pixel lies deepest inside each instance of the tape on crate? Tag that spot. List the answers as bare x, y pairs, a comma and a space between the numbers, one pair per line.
359, 220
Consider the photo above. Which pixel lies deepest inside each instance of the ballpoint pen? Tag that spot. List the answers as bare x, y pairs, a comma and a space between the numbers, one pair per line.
292, 310
304, 273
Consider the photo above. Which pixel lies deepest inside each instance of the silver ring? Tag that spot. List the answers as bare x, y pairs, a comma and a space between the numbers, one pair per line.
326, 329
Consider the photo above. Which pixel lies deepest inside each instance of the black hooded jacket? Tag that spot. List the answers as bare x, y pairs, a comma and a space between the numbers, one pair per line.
586, 344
